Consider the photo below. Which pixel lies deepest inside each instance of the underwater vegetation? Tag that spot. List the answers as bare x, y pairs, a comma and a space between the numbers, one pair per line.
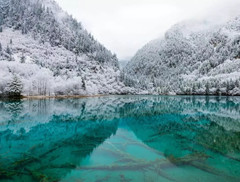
120, 138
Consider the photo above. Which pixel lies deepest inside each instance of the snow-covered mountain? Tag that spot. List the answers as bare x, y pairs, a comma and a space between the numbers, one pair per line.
122, 64
192, 58
50, 53
44, 51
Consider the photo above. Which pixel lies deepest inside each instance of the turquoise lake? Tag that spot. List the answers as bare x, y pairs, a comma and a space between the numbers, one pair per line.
121, 138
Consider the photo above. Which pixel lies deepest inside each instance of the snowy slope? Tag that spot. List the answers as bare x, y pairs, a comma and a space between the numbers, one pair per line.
57, 68
51, 53
192, 58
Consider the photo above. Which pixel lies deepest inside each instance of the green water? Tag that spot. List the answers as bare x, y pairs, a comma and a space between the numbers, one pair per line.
121, 138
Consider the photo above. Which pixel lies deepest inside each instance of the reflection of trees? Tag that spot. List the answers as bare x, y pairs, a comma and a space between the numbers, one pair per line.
226, 108
184, 127
42, 110
177, 116
150, 104
174, 128
50, 151
13, 108
181, 128
117, 107
219, 140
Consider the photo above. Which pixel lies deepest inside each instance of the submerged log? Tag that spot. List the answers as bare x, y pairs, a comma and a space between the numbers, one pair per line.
217, 151
149, 164
164, 175
28, 159
188, 158
9, 174
214, 171
23, 162
195, 160
38, 176
121, 154
156, 165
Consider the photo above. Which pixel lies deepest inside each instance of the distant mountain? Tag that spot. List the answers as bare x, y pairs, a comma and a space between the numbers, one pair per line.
192, 58
123, 63
44, 51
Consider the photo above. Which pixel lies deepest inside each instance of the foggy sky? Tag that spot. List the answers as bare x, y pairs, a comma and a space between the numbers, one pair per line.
124, 26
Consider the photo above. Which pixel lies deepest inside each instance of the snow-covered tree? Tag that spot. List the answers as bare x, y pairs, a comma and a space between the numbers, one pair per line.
38, 35
8, 50
14, 87
190, 52
22, 58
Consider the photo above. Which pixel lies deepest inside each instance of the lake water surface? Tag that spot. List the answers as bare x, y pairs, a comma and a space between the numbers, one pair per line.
121, 138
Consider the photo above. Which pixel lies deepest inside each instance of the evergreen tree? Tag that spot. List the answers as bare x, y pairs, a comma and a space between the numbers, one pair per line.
14, 87
194, 91
228, 88
0, 47
23, 58
237, 84
8, 50
207, 90
218, 90
32, 17
83, 84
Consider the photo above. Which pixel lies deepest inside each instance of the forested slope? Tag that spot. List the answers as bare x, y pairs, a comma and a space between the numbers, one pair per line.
192, 58
47, 52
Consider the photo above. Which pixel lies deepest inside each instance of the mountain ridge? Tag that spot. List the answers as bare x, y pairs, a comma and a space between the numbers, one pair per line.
38, 35
189, 60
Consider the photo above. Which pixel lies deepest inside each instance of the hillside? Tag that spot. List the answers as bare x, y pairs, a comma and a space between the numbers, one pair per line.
192, 58
44, 51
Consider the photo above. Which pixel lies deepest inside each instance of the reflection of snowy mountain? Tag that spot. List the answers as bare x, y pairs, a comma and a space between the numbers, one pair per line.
29, 113
53, 145
49, 134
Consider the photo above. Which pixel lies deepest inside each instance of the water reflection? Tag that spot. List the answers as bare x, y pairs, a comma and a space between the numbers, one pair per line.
121, 138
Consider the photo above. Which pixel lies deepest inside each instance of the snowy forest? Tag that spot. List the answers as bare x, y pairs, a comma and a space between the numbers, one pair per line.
193, 58
44, 51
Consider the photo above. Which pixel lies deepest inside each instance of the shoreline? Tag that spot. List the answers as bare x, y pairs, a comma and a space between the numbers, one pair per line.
61, 97
92, 96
